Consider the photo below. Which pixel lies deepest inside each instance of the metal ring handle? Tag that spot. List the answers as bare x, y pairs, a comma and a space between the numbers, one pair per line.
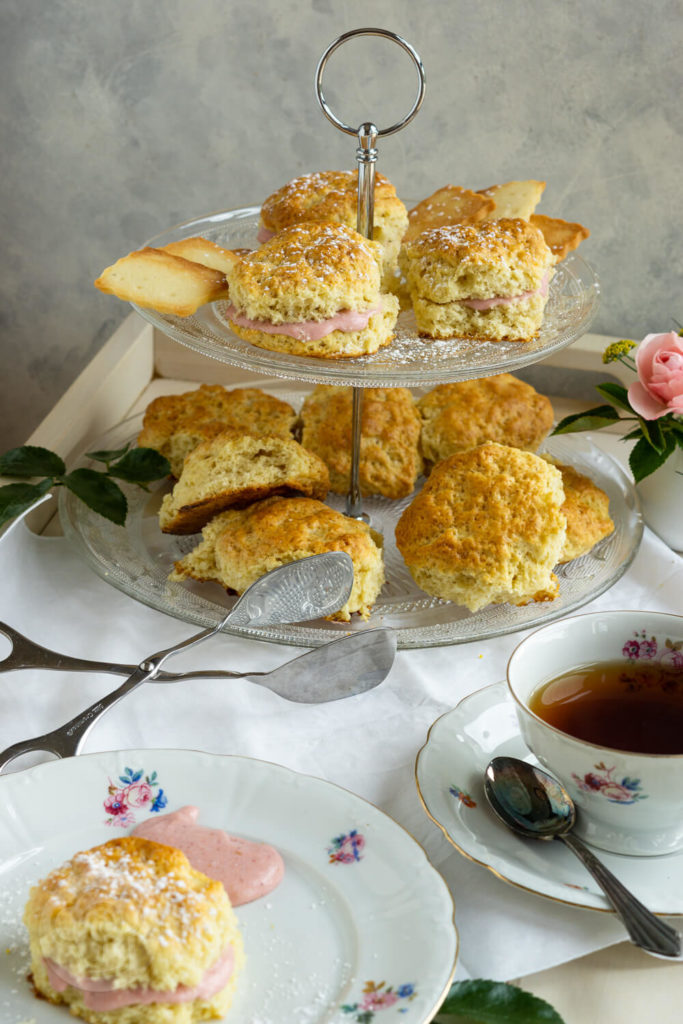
370, 32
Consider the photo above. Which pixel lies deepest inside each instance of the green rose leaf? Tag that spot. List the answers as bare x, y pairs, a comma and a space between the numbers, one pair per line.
494, 1002
30, 460
644, 459
99, 493
108, 456
616, 394
653, 433
140, 466
593, 419
16, 498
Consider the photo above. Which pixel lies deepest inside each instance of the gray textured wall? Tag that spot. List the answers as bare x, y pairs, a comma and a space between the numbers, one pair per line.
119, 118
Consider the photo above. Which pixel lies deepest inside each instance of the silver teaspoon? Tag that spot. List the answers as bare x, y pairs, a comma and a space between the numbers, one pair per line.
298, 591
535, 805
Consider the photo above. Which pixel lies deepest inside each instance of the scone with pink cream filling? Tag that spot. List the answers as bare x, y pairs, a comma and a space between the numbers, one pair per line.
129, 933
485, 281
313, 290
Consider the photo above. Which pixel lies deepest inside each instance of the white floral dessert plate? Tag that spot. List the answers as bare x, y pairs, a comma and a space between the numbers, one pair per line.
361, 921
408, 359
449, 774
137, 559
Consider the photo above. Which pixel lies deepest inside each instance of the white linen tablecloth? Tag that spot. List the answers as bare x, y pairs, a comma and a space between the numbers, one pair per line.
367, 744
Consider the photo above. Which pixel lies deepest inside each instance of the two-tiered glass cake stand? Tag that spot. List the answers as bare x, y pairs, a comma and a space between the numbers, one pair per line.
138, 557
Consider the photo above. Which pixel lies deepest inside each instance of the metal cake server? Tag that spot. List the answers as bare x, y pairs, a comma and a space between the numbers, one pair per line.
302, 590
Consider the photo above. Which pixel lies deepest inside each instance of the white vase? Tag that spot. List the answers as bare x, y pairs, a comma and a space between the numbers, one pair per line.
661, 499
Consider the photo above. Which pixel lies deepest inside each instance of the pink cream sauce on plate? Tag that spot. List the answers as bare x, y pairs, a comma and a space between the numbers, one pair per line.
247, 870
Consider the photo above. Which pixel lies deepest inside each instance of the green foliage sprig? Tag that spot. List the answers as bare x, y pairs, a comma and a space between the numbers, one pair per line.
493, 1002
96, 488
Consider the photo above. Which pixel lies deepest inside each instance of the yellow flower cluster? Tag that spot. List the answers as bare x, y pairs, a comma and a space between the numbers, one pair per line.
617, 349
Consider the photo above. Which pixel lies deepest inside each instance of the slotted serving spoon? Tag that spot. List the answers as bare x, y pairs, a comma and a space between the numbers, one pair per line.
299, 591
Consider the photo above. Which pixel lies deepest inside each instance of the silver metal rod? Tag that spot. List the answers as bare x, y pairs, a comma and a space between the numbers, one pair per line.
354, 499
366, 156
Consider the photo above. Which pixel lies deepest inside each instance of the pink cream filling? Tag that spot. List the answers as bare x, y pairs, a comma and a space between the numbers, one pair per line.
503, 300
308, 330
99, 994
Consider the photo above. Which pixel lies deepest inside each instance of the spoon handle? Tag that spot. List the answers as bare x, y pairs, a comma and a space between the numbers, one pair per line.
645, 929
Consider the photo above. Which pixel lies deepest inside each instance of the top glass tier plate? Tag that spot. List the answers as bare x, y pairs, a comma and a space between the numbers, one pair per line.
409, 359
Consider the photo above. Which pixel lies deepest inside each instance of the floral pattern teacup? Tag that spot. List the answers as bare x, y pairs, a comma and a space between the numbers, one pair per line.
626, 802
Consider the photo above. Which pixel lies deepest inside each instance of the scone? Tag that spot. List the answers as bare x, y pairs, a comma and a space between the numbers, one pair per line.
313, 290
175, 424
487, 528
586, 507
390, 461
234, 469
332, 197
467, 413
161, 280
240, 545
488, 281
129, 933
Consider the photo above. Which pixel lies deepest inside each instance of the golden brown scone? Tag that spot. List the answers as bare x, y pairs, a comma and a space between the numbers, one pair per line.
488, 281
586, 507
448, 205
157, 279
486, 528
175, 424
467, 413
313, 290
390, 461
332, 196
133, 916
241, 545
203, 251
561, 236
514, 198
234, 469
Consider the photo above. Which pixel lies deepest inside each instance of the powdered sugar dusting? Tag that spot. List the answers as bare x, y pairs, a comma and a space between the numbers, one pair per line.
162, 898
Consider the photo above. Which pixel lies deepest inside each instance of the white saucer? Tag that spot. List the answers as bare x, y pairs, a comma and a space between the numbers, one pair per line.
449, 774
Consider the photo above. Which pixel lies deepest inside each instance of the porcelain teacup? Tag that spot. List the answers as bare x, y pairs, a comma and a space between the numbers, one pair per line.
629, 803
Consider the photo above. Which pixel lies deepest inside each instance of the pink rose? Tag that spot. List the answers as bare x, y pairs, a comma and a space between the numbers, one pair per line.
138, 794
659, 389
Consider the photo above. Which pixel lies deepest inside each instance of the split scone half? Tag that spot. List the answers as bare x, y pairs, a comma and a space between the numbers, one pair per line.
175, 424
487, 528
332, 197
467, 413
390, 461
487, 281
129, 933
313, 290
586, 507
234, 469
241, 545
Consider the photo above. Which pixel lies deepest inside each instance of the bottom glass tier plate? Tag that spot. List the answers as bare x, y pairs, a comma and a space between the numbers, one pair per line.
361, 920
137, 559
450, 780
